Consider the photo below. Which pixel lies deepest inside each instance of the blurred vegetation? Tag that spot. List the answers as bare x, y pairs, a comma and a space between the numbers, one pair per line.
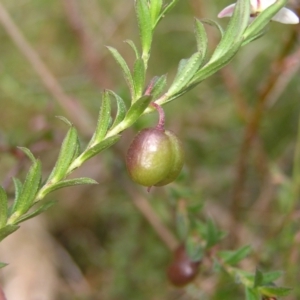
118, 252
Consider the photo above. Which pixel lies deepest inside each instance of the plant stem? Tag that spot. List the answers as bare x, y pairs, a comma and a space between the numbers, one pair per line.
161, 122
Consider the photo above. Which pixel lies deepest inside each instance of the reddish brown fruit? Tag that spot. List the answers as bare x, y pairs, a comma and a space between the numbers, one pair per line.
182, 270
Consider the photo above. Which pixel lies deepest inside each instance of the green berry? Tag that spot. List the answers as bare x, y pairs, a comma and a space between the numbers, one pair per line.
155, 157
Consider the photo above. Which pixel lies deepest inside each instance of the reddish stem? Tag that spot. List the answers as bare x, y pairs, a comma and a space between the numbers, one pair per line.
161, 122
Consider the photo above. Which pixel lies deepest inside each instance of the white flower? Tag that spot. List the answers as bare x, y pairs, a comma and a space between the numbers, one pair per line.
285, 15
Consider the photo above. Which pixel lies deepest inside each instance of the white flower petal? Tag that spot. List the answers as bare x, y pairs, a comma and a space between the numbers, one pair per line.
265, 4
227, 11
286, 16
253, 4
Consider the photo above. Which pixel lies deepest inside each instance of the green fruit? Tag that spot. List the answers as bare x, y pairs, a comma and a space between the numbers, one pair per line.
155, 157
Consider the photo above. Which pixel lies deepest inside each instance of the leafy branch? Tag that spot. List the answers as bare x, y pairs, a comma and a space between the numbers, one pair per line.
30, 195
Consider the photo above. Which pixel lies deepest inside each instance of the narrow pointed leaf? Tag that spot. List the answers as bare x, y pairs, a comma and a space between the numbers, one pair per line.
18, 187
65, 120
18, 190
2, 265
213, 66
214, 24
263, 19
252, 294
135, 111
270, 277
28, 193
182, 221
42, 207
185, 73
103, 120
201, 38
67, 183
166, 10
7, 230
194, 249
121, 109
3, 207
125, 69
182, 63
77, 148
28, 153
274, 291
138, 77
145, 25
254, 37
244, 277
158, 83
213, 234
133, 47
258, 278
235, 29
155, 8
65, 157
98, 148
233, 257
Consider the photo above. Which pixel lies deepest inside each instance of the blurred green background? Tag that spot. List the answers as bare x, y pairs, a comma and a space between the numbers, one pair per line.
103, 248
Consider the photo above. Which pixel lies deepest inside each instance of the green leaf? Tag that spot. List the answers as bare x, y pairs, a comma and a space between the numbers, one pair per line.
96, 149
263, 19
145, 26
125, 69
214, 65
121, 109
18, 190
18, 187
28, 153
233, 257
244, 277
258, 278
235, 29
252, 294
274, 291
29, 190
28, 193
103, 120
194, 249
155, 9
134, 48
43, 206
66, 155
214, 24
2, 265
65, 120
270, 277
166, 10
254, 37
182, 221
138, 78
135, 111
186, 71
213, 234
67, 183
156, 86
3, 207
201, 38
7, 230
